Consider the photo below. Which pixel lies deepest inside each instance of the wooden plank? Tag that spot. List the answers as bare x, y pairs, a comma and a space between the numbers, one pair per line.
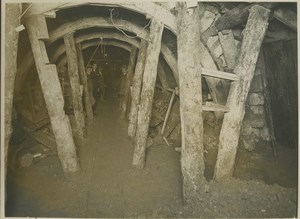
210, 106
245, 67
149, 78
189, 54
130, 71
73, 70
219, 74
53, 97
136, 88
171, 60
162, 76
286, 16
168, 112
83, 77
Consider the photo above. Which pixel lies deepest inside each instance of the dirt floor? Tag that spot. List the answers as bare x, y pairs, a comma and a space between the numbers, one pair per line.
108, 186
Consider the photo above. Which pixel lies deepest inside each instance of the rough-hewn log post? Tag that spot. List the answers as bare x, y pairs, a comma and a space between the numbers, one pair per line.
130, 70
245, 66
12, 12
83, 78
189, 68
136, 88
73, 71
149, 79
37, 31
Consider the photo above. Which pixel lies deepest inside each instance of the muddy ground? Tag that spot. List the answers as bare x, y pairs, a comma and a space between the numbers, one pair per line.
108, 186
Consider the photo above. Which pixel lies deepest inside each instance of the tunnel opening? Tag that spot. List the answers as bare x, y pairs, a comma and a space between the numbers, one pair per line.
107, 184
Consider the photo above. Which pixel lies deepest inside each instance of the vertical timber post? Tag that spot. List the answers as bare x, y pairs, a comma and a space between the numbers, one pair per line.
253, 35
148, 86
73, 71
83, 77
37, 32
130, 70
12, 12
189, 68
136, 88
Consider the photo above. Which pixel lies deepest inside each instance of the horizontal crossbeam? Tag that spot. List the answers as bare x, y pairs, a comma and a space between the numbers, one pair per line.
219, 74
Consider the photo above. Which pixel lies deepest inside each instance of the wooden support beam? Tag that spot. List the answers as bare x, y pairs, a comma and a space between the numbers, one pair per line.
171, 61
168, 111
219, 74
162, 76
147, 93
237, 16
73, 70
12, 12
37, 30
136, 88
83, 77
230, 131
189, 66
286, 16
130, 71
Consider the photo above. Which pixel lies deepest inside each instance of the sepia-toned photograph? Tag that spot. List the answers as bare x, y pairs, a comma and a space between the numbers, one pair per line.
149, 109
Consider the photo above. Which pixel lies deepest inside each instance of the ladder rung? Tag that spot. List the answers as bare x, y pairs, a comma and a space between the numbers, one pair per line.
219, 74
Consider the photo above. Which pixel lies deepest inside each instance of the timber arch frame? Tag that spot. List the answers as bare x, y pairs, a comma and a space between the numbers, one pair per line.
83, 23
63, 58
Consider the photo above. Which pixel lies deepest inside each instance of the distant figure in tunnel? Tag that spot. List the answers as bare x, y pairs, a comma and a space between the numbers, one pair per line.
90, 85
95, 79
123, 79
123, 83
102, 84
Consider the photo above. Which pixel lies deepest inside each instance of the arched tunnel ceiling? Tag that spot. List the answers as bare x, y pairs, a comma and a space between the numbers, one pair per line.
80, 19
71, 14
95, 43
95, 35
93, 18
149, 9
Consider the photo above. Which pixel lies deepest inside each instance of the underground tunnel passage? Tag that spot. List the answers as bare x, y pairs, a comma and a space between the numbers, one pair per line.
150, 109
